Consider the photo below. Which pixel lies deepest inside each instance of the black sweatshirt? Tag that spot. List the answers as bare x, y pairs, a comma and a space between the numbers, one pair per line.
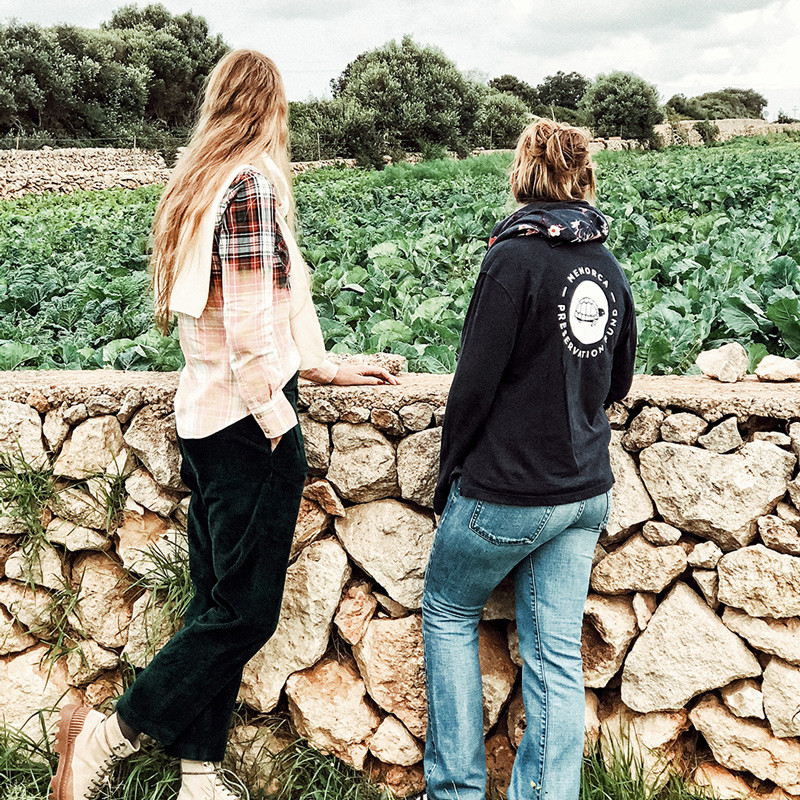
549, 341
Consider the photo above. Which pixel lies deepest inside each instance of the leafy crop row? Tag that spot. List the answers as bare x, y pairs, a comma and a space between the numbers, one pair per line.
708, 238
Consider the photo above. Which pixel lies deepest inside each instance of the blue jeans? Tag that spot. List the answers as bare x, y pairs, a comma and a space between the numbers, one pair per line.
549, 550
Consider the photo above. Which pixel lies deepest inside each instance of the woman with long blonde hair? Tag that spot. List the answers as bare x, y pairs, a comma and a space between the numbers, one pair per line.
225, 262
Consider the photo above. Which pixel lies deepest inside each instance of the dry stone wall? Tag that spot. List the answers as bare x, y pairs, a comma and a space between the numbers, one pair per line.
691, 638
73, 169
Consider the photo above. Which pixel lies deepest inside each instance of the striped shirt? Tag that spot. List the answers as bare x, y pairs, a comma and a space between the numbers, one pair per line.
240, 352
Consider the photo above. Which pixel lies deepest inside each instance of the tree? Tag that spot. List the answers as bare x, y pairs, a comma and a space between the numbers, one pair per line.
418, 95
727, 103
501, 118
178, 53
563, 89
140, 75
622, 104
686, 107
510, 84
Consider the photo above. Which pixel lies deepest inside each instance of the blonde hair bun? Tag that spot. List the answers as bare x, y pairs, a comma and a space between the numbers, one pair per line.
552, 162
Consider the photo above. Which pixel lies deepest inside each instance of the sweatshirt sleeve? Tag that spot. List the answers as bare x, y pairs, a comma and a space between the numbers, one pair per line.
624, 360
487, 341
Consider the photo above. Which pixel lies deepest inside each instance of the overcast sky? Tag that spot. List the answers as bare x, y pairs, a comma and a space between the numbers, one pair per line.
689, 46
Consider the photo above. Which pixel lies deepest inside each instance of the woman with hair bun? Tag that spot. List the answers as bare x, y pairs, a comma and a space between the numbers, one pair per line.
225, 262
525, 481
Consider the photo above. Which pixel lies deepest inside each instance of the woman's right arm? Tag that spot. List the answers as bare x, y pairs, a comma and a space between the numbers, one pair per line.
250, 268
487, 341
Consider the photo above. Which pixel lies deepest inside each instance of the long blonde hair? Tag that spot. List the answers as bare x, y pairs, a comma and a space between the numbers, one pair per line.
552, 162
243, 115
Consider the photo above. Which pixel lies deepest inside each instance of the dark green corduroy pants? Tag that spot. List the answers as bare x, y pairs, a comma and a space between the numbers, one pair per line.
241, 521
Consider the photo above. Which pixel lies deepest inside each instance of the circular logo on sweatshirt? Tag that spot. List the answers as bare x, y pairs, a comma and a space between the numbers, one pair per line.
588, 312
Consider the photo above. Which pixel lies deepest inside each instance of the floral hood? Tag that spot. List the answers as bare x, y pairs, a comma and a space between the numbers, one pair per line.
558, 223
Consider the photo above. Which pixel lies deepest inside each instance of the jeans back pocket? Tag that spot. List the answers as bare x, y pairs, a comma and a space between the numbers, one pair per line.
509, 525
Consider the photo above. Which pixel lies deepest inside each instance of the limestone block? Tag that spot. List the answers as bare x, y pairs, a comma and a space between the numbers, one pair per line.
747, 745
777, 368
152, 437
761, 582
632, 504
644, 606
103, 608
682, 428
722, 783
38, 564
722, 438
356, 609
685, 650
29, 682
328, 707
498, 672
650, 741
151, 627
75, 537
312, 522
95, 447
75, 414
317, 440
80, 507
30, 607
387, 421
417, 416
779, 535
418, 466
147, 540
13, 637
144, 489
638, 566
609, 626
779, 637
21, 434
391, 542
311, 596
130, 404
88, 661
55, 428
781, 687
103, 404
363, 465
392, 743
727, 363
321, 492
644, 428
708, 582
390, 660
705, 555
746, 484
660, 533
744, 698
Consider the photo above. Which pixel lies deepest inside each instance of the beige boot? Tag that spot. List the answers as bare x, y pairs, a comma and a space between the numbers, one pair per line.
203, 780
88, 745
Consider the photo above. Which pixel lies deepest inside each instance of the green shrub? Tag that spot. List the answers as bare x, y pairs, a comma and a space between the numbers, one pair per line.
622, 104
707, 130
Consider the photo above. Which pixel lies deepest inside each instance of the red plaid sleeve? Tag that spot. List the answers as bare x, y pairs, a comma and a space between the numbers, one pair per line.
255, 298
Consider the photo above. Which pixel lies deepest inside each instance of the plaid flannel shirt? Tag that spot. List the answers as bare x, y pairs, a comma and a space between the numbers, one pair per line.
240, 352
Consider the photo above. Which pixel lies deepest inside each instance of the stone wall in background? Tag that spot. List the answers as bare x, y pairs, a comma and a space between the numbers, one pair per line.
73, 169
691, 637
63, 171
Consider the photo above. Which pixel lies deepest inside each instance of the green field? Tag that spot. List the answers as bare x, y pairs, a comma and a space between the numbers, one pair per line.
708, 237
